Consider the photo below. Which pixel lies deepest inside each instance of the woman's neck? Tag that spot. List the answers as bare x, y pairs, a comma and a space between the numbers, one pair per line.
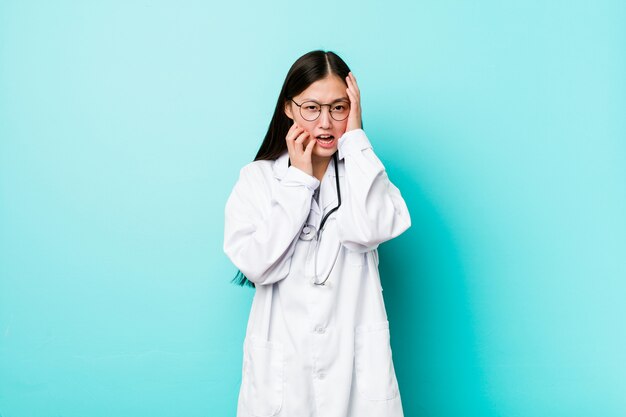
319, 166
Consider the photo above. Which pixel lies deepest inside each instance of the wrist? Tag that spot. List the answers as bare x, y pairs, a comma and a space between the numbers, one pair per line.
352, 141
296, 176
306, 169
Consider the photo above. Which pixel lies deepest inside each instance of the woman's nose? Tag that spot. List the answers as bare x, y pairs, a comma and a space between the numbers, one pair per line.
325, 118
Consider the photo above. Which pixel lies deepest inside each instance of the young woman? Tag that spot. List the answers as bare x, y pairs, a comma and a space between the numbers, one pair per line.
303, 224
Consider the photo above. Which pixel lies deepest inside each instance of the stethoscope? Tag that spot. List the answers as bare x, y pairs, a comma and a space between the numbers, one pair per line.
309, 232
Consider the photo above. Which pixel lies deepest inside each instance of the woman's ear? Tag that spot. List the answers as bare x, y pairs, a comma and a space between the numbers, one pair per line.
288, 110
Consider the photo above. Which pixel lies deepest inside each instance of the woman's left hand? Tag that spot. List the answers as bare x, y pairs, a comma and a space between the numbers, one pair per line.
354, 118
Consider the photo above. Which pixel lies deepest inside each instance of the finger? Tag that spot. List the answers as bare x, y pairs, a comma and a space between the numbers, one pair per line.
354, 83
301, 137
289, 145
352, 86
309, 148
292, 134
349, 80
300, 141
352, 97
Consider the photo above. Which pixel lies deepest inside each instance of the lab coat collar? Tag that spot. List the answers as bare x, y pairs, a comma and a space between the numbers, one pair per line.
328, 193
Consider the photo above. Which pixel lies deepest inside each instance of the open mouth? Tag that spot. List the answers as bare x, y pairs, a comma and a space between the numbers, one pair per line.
325, 141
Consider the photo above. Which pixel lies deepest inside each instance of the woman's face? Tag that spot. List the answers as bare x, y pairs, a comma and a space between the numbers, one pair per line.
325, 91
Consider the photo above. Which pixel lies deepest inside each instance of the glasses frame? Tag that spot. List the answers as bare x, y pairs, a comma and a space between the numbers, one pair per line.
321, 106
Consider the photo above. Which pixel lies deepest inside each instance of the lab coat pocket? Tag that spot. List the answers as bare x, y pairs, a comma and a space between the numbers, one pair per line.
262, 380
375, 374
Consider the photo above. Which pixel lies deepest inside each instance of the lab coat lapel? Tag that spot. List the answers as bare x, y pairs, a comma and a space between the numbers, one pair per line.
328, 192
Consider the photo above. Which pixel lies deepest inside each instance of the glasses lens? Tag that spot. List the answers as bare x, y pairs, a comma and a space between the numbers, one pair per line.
340, 110
310, 110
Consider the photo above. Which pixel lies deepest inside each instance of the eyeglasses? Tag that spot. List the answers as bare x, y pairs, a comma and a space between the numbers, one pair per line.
311, 110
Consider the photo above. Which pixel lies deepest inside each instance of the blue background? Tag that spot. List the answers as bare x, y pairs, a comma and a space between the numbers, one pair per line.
123, 126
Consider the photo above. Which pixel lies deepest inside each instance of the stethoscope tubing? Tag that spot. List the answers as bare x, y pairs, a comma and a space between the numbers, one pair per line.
321, 228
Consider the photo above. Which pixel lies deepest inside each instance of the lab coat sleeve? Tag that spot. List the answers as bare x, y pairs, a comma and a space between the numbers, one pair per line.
372, 210
262, 226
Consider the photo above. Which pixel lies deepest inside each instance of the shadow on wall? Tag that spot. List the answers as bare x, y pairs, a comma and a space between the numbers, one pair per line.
424, 288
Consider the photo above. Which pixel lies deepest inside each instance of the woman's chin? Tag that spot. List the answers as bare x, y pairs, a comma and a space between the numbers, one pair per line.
320, 152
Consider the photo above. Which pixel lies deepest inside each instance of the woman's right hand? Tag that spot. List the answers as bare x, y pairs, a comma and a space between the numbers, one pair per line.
300, 155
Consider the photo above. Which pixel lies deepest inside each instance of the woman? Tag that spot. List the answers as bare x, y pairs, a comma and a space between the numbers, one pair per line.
303, 224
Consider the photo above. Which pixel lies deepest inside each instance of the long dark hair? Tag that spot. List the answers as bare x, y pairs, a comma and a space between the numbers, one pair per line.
307, 69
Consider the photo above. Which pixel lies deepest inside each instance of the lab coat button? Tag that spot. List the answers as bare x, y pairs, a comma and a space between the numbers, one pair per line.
320, 329
307, 232
321, 375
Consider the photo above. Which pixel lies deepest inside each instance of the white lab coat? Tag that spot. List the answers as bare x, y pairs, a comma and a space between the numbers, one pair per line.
316, 350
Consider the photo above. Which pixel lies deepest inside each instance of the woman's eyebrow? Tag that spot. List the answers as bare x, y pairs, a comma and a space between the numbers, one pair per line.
335, 100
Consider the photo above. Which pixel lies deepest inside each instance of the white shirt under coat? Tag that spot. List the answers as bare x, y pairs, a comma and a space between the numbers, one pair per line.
316, 350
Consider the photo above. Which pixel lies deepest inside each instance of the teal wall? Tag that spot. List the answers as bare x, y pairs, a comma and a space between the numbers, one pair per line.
123, 126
